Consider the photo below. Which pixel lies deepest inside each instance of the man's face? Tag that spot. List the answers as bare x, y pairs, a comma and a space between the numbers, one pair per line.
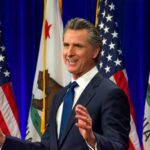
79, 55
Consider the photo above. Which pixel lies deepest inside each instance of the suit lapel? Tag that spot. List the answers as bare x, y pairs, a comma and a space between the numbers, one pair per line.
89, 91
60, 98
54, 124
84, 100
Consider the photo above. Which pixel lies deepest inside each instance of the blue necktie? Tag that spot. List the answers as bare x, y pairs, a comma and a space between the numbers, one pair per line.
67, 107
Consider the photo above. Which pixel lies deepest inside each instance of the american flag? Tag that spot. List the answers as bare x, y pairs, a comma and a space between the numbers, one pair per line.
8, 110
111, 63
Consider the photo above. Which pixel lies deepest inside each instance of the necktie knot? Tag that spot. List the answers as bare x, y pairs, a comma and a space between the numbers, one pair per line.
73, 85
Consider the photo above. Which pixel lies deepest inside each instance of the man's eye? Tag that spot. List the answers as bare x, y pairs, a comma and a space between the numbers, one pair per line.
66, 45
79, 46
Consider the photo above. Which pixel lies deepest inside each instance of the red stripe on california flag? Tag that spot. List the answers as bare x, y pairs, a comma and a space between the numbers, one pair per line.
123, 84
3, 125
7, 89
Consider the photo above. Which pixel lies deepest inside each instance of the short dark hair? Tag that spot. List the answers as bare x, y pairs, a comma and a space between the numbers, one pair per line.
79, 24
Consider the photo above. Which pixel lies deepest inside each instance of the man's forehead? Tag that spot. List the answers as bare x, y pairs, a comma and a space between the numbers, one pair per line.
76, 35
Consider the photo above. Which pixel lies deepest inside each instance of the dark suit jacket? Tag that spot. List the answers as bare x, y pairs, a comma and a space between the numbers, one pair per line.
109, 109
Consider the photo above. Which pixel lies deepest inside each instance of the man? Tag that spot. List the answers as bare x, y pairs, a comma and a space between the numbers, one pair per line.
100, 117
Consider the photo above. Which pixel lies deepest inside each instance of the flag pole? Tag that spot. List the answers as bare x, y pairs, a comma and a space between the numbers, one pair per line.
43, 127
97, 12
60, 6
44, 68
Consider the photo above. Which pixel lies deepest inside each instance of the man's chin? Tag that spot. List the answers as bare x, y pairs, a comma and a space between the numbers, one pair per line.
71, 71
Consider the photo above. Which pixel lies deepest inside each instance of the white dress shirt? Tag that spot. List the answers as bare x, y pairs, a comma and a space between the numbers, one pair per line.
83, 81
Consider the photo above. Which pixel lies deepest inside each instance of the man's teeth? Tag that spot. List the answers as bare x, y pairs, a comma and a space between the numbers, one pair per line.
71, 61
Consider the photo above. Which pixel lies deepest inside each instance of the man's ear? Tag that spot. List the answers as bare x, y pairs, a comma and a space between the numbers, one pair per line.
97, 52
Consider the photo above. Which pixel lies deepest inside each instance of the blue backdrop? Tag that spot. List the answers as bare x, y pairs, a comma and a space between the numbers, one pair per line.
22, 23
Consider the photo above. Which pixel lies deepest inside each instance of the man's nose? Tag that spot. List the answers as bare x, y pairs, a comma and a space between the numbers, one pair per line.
70, 50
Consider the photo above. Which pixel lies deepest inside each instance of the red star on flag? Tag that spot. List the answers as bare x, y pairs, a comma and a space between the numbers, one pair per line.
47, 28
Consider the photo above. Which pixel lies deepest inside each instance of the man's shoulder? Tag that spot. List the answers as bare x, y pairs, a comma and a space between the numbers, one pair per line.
105, 83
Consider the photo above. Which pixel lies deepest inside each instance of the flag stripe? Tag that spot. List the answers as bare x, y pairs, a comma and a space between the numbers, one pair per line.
121, 81
131, 146
134, 136
10, 98
3, 125
7, 113
146, 121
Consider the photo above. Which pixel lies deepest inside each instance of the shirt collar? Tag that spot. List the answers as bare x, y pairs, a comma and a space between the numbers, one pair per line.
86, 78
